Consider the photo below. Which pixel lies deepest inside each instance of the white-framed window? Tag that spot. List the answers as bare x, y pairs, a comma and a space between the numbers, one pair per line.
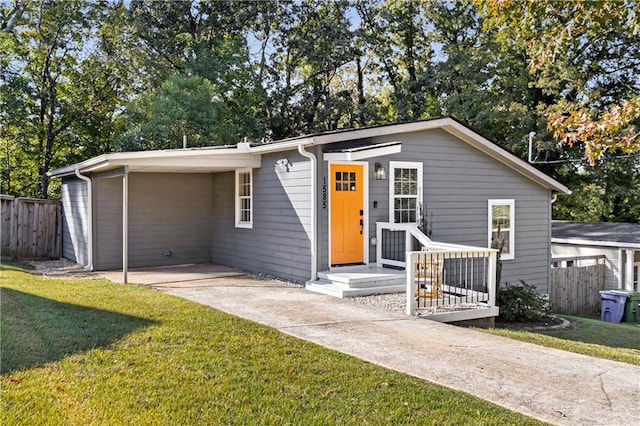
502, 227
405, 191
244, 198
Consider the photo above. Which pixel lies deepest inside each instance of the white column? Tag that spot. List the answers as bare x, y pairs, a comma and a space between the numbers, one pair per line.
628, 274
125, 224
619, 274
410, 282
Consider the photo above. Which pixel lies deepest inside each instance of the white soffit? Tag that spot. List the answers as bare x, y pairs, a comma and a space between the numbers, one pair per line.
364, 152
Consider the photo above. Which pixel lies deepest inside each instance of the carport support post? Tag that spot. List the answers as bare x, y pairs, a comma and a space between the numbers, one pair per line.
628, 275
125, 224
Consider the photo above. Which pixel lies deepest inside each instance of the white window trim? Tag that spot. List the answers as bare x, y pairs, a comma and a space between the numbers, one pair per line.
512, 230
239, 222
404, 165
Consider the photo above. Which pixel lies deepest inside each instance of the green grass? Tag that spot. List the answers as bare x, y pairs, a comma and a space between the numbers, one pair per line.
93, 352
588, 336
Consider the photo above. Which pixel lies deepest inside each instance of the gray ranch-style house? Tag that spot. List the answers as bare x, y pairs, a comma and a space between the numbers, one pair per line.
343, 211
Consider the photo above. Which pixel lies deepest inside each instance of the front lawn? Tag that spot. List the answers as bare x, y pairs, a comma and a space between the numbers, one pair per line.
86, 352
588, 336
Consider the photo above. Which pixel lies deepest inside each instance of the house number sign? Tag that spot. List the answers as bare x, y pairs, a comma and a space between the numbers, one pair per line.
324, 193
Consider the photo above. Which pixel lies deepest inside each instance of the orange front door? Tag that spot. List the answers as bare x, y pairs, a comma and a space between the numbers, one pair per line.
347, 213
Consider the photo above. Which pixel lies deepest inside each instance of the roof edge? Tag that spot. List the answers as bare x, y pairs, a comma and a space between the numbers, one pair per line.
447, 124
578, 241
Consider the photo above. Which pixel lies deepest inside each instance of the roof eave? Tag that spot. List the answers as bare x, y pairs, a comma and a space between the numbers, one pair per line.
81, 166
583, 242
118, 159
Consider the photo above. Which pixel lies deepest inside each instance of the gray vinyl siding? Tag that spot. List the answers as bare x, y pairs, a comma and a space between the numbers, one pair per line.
279, 242
168, 213
75, 220
458, 182
107, 213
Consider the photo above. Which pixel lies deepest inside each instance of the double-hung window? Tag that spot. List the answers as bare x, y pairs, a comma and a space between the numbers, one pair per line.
405, 189
502, 227
244, 198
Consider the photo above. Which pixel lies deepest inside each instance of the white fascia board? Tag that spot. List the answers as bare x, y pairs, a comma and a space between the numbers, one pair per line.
81, 166
393, 129
199, 157
282, 146
579, 242
363, 154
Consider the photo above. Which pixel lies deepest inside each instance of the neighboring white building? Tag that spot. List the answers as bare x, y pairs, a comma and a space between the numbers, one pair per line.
618, 242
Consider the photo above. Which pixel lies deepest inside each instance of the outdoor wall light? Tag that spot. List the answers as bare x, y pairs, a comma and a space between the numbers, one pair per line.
283, 164
380, 173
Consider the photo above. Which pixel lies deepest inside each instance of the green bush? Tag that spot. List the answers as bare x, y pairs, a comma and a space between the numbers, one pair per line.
520, 303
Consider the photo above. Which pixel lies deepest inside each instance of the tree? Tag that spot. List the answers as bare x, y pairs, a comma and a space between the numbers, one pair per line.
398, 35
183, 106
303, 58
59, 73
184, 47
600, 131
607, 191
587, 54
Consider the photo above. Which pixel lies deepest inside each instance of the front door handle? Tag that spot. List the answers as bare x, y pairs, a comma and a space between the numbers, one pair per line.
361, 226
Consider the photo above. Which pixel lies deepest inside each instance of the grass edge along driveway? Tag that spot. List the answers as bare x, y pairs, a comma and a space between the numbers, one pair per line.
83, 351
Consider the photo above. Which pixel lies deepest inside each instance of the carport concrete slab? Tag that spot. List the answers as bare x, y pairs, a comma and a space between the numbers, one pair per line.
177, 275
555, 386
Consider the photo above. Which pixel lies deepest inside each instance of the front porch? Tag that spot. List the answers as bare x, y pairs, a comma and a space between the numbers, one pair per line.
443, 282
359, 280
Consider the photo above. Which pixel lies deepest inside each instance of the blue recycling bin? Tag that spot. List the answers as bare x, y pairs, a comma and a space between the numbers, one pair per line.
612, 307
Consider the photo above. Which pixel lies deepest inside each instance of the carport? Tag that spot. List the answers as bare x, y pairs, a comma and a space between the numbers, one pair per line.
171, 186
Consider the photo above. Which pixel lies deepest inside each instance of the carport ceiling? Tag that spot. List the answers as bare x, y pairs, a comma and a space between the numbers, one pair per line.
209, 164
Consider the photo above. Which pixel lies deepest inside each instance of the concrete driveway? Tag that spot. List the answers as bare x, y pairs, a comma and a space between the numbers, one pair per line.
551, 385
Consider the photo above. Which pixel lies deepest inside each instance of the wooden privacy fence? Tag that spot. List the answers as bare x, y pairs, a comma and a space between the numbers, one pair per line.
31, 228
575, 290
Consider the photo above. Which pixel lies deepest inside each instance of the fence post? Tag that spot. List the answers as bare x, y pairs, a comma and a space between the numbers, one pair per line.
491, 279
411, 272
14, 229
8, 223
378, 245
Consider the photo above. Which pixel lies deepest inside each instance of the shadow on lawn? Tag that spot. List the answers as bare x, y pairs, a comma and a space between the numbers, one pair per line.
36, 330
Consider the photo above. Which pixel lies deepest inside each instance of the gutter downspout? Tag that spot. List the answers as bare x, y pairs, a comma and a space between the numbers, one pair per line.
314, 219
89, 266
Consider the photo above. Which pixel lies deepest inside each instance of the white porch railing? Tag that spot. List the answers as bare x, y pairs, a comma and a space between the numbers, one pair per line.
441, 277
445, 280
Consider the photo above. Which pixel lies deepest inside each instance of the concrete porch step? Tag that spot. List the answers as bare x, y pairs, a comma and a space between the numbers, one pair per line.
342, 290
358, 281
363, 276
